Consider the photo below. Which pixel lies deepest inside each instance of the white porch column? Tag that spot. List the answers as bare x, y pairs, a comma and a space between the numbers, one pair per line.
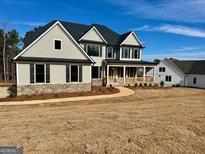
108, 74
124, 69
144, 68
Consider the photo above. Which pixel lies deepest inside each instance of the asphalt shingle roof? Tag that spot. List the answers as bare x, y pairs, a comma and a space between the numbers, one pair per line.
78, 30
191, 66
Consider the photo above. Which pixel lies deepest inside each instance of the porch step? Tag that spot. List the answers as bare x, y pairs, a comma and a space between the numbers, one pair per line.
114, 85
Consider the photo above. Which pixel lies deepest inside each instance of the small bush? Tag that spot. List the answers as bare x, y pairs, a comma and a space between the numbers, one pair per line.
162, 83
12, 90
136, 84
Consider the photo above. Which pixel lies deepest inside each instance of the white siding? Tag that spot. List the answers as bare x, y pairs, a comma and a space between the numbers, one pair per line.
200, 80
23, 74
177, 77
93, 36
45, 46
57, 74
131, 40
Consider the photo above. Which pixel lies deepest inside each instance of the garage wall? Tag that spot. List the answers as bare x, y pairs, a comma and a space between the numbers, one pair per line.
200, 80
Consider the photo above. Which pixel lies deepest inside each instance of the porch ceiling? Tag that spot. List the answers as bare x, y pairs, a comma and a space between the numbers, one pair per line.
128, 63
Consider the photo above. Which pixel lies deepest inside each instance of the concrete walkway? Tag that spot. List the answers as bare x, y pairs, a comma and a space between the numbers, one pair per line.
123, 92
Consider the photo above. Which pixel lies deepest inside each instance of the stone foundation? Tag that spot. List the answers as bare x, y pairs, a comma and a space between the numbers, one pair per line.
52, 88
97, 82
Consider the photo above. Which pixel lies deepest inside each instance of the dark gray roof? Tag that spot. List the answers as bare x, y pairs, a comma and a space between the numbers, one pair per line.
41, 59
191, 66
78, 30
125, 62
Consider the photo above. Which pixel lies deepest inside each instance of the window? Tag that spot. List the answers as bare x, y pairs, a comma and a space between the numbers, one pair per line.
162, 69
136, 53
125, 53
120, 72
40, 73
110, 52
194, 80
96, 72
57, 44
74, 73
130, 71
168, 78
93, 50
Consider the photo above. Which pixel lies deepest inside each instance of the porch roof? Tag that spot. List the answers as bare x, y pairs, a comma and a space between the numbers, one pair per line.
127, 62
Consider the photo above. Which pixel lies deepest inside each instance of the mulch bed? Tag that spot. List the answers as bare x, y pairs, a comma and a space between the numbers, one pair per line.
150, 87
95, 91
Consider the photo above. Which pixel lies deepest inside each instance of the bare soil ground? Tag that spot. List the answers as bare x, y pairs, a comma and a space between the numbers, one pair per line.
150, 121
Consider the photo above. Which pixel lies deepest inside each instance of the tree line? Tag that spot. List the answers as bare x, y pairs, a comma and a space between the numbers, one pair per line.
10, 45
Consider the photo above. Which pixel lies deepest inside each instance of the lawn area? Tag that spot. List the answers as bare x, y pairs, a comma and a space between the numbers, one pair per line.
150, 121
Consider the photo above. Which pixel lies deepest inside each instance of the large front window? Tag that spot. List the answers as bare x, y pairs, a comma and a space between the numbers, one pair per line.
74, 73
93, 50
40, 73
96, 72
125, 53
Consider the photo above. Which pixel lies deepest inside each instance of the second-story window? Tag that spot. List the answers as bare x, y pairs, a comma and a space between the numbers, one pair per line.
136, 53
110, 52
162, 69
125, 53
57, 44
93, 50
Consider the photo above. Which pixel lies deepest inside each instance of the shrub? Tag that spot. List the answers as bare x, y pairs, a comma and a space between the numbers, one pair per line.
12, 90
162, 83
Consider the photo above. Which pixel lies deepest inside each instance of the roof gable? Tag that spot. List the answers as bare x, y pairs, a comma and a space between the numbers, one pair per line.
93, 35
43, 45
130, 38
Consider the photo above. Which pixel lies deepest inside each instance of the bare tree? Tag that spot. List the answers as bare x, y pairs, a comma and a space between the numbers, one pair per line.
4, 49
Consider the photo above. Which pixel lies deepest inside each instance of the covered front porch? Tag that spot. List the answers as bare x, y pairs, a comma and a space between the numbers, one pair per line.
130, 75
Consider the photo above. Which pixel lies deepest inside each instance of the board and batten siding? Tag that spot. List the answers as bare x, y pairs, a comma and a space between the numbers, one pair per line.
44, 47
57, 74
200, 80
177, 77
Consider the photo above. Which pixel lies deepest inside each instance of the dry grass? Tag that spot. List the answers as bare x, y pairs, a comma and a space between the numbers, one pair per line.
150, 121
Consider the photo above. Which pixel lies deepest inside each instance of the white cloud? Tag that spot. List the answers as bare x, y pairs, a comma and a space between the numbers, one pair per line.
174, 29
170, 10
28, 23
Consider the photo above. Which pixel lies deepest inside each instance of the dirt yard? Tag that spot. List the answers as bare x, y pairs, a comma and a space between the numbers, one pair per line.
150, 121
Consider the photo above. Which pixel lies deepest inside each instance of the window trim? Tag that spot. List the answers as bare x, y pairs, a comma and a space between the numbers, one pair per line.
54, 44
138, 53
113, 55
99, 72
95, 45
35, 74
70, 73
162, 69
168, 78
131, 52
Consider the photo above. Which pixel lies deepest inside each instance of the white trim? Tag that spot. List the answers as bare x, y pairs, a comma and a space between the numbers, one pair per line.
113, 54
17, 73
135, 37
54, 44
130, 54
94, 45
57, 22
96, 31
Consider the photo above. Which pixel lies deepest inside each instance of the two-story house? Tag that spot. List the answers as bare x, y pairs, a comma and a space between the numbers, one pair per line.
70, 57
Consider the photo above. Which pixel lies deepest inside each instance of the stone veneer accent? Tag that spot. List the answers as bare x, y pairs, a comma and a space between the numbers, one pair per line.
52, 88
97, 82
